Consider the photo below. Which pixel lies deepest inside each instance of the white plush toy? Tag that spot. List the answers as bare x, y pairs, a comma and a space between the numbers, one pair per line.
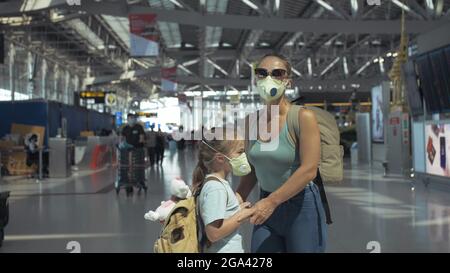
179, 191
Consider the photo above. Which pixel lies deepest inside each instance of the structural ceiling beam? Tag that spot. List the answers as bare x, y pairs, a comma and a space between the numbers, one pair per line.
230, 21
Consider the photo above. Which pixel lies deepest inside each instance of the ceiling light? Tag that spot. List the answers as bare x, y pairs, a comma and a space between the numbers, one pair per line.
344, 61
191, 62
175, 2
250, 4
296, 72
309, 66
401, 5
363, 67
330, 66
277, 5
354, 4
325, 5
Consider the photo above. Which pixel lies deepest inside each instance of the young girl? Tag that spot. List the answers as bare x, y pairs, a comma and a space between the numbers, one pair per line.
218, 206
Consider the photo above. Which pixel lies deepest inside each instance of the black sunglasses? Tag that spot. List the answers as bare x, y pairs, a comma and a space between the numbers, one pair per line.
276, 73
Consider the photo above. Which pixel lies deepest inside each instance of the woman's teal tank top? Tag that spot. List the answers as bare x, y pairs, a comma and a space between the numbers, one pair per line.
274, 167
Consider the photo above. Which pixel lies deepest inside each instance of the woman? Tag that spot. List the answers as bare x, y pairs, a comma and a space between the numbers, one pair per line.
289, 216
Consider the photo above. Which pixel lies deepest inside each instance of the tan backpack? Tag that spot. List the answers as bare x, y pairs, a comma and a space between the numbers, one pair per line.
183, 230
179, 233
331, 166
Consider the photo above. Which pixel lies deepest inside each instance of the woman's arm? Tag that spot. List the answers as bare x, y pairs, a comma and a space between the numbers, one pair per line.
223, 227
310, 155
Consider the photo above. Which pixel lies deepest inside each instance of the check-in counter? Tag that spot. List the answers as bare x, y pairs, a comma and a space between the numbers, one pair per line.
95, 152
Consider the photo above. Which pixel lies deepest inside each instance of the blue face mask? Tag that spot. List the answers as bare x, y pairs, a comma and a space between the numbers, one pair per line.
132, 121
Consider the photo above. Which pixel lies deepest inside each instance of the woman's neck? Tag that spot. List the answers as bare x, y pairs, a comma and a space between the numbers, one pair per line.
283, 108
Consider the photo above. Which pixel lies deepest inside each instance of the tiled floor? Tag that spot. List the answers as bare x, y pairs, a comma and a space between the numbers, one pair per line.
367, 207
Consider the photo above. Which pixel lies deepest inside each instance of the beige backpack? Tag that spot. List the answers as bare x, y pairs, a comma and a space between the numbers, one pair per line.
331, 166
179, 233
183, 230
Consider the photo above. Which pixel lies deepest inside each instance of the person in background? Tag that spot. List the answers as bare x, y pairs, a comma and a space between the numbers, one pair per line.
150, 143
181, 142
133, 132
160, 146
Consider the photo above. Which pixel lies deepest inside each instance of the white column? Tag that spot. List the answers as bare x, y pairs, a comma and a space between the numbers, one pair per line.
12, 74
66, 86
43, 79
54, 95
30, 83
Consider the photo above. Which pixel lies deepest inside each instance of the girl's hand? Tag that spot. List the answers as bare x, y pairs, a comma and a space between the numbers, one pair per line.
239, 198
245, 212
263, 210
245, 205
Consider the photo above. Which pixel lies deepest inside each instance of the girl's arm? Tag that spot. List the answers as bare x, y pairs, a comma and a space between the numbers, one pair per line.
221, 228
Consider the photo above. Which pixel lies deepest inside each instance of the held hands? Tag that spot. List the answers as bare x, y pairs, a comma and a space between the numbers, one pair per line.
245, 212
263, 209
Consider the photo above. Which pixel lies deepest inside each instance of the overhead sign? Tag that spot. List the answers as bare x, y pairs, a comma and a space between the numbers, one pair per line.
143, 35
235, 99
99, 96
147, 115
111, 99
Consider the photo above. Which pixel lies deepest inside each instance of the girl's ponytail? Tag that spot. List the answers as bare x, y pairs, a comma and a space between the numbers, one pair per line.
199, 174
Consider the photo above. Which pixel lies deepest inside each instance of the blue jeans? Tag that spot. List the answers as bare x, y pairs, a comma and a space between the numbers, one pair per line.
296, 226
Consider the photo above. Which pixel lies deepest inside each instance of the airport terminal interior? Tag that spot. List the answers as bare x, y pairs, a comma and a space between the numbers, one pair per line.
77, 78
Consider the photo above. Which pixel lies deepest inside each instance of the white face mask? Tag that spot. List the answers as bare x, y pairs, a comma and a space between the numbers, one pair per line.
239, 165
270, 89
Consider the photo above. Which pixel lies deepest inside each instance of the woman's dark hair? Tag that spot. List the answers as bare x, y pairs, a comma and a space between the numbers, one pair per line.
281, 57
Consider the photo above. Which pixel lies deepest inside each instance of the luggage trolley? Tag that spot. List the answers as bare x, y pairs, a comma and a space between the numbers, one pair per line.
131, 171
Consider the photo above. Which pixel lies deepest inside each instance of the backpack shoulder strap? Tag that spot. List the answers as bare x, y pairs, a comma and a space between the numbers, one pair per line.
250, 126
293, 124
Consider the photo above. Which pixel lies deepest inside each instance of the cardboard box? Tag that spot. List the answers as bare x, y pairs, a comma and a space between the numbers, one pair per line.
17, 164
24, 130
87, 133
15, 161
5, 144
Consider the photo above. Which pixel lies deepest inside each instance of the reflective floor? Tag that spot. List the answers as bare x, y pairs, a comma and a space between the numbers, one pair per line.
398, 215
